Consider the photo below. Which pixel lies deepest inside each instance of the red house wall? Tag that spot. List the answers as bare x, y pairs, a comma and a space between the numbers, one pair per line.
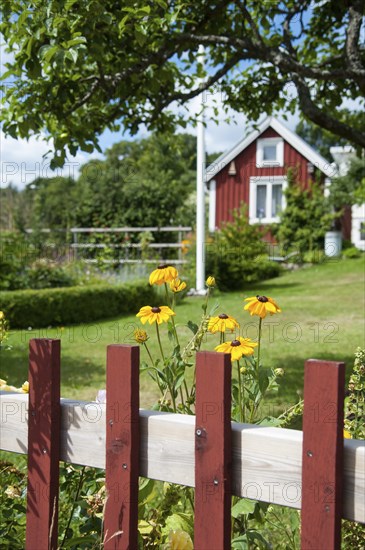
232, 190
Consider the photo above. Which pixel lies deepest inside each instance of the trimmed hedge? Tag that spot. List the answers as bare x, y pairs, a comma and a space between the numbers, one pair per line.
72, 305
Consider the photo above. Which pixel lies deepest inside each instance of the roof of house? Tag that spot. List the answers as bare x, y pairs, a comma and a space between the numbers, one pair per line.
290, 137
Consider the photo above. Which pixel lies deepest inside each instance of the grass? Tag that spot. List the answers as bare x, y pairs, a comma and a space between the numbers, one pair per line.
322, 317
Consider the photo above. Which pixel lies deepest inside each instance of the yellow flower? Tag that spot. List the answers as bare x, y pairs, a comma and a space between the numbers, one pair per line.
1, 315
238, 347
222, 323
347, 435
177, 286
25, 387
2, 382
140, 336
180, 540
163, 274
261, 306
210, 282
152, 314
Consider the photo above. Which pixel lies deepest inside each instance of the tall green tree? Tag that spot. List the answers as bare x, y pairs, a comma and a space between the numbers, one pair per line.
54, 201
140, 183
350, 188
82, 66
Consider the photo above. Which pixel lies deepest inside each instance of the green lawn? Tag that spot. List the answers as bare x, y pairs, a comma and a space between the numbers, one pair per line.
322, 317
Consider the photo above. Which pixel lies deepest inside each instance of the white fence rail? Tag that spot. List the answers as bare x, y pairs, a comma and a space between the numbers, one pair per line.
267, 462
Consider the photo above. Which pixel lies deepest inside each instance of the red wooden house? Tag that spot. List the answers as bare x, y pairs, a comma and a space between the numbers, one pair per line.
254, 172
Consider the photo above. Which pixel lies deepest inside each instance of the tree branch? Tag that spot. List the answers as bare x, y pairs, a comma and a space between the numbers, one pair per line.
352, 37
323, 119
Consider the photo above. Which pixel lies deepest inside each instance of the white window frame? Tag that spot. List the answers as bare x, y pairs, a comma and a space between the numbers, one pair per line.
276, 142
269, 181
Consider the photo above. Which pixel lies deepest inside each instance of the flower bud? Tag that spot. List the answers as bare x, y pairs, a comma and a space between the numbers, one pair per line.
279, 372
210, 282
140, 336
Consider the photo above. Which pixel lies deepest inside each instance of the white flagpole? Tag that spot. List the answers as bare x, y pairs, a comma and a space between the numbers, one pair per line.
200, 193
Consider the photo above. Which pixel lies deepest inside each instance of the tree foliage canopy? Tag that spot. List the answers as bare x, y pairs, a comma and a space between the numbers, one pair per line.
81, 66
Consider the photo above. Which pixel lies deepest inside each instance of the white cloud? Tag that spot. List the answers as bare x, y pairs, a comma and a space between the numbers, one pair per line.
24, 160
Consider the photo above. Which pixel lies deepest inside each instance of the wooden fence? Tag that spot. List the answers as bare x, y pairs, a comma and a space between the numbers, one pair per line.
314, 470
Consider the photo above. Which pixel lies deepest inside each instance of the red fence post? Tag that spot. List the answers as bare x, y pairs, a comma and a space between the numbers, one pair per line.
213, 452
322, 470
122, 448
44, 416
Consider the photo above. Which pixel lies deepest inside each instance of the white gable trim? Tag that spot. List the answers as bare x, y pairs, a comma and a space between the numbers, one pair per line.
293, 139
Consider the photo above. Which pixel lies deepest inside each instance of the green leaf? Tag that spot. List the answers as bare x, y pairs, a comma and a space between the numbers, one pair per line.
263, 380
75, 42
76, 541
243, 506
177, 521
193, 327
72, 54
147, 491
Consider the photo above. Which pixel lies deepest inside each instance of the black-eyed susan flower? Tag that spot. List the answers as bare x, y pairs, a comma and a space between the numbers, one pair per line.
222, 323
210, 282
163, 274
261, 306
140, 336
237, 347
177, 286
159, 314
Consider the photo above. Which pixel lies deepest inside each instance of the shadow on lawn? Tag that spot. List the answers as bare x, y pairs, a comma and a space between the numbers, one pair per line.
75, 371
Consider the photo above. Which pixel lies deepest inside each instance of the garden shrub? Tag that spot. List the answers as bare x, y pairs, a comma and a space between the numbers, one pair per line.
306, 218
15, 253
351, 253
45, 274
23, 265
61, 306
237, 254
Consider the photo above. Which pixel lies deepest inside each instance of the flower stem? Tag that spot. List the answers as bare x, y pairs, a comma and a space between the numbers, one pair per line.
171, 304
259, 346
240, 393
167, 296
205, 305
149, 353
159, 342
76, 497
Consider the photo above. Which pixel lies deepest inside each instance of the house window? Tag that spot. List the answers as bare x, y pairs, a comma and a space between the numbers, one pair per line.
270, 152
267, 199
362, 231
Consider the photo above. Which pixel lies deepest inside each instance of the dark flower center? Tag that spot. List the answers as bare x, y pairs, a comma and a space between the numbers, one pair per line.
235, 343
223, 316
262, 298
163, 266
155, 310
